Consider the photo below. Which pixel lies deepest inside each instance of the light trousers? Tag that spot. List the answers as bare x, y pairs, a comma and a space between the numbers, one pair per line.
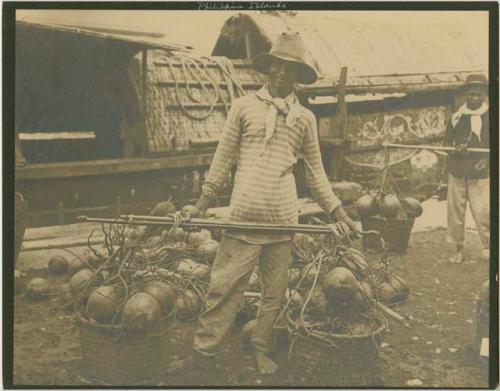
229, 277
477, 193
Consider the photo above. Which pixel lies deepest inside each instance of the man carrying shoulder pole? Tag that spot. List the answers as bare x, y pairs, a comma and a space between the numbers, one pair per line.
265, 132
468, 172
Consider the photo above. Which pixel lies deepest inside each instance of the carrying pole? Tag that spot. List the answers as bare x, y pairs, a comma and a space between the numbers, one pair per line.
433, 148
217, 224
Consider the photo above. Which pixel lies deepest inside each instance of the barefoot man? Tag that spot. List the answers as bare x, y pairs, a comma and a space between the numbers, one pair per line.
265, 133
468, 173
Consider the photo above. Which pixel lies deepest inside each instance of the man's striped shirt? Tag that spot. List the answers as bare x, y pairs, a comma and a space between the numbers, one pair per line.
264, 185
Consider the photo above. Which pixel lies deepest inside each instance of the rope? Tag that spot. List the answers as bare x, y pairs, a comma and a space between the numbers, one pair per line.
201, 73
227, 68
178, 94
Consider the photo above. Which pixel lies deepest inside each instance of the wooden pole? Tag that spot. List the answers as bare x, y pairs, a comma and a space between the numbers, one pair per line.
433, 147
145, 93
337, 153
217, 224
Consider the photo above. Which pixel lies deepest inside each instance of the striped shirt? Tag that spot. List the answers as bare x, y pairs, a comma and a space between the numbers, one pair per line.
264, 185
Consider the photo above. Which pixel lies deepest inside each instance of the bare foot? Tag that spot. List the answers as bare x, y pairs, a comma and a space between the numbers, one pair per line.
265, 365
457, 257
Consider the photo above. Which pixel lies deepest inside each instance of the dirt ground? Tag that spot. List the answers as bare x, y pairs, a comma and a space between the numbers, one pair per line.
434, 353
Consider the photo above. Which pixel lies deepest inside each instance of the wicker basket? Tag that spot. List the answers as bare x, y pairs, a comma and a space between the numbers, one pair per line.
395, 232
352, 362
114, 356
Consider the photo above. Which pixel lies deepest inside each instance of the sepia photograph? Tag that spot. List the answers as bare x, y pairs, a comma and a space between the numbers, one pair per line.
250, 194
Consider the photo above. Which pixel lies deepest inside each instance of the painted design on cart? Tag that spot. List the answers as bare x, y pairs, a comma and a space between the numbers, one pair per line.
397, 127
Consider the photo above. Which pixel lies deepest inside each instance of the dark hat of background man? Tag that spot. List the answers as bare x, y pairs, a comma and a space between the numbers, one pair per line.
288, 47
476, 82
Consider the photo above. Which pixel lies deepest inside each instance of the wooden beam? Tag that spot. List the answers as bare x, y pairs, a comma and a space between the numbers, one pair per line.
109, 166
375, 89
145, 92
20, 160
207, 83
41, 136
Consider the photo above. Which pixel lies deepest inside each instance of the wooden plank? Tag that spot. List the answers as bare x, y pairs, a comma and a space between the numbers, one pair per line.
388, 88
41, 136
61, 243
109, 166
41, 233
236, 63
207, 83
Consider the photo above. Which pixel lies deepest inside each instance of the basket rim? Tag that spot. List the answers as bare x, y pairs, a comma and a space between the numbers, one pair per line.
380, 329
80, 317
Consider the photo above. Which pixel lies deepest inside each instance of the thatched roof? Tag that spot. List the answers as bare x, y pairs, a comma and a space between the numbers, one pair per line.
366, 47
180, 115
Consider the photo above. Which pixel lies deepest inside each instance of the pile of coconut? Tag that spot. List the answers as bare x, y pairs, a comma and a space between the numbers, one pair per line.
334, 288
137, 277
388, 205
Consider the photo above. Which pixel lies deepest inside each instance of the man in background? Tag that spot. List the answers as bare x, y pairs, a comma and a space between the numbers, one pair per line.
468, 172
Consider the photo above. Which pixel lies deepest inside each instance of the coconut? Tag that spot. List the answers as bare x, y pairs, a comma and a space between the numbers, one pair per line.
246, 333
293, 277
303, 241
163, 209
102, 304
201, 272
104, 275
297, 300
390, 206
412, 207
137, 233
318, 304
189, 210
63, 293
195, 238
386, 292
309, 274
178, 234
208, 248
400, 286
356, 262
75, 265
195, 300
187, 266
140, 311
38, 289
94, 260
163, 293
180, 246
366, 205
206, 233
188, 305
58, 265
340, 285
80, 281
361, 302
